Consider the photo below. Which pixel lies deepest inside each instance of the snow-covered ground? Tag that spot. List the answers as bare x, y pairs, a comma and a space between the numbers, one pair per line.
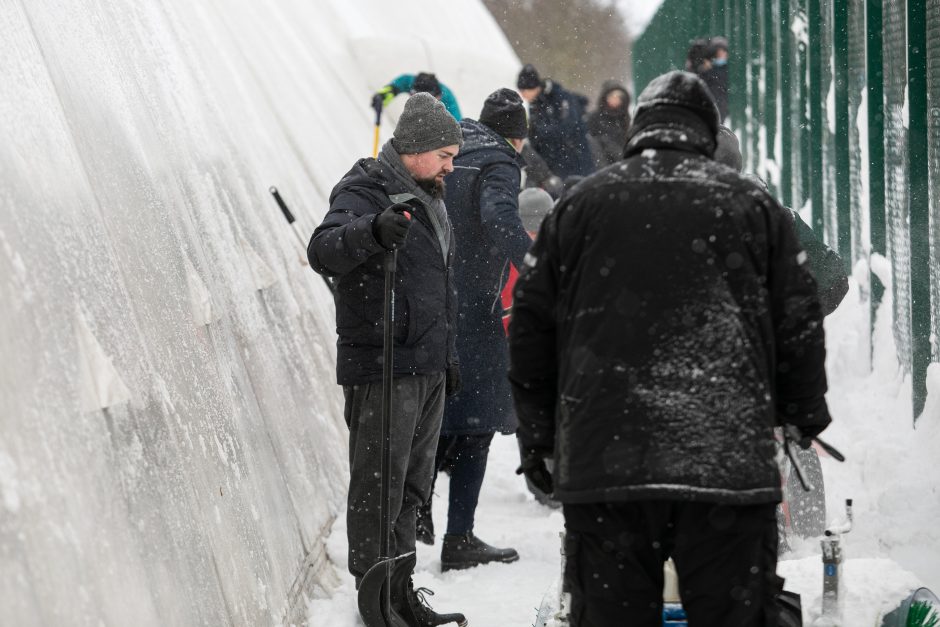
891, 472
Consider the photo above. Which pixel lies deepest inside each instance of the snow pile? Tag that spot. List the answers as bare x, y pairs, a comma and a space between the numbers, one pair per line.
891, 473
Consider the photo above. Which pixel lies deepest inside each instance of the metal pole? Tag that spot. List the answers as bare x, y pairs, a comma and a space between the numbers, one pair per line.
917, 144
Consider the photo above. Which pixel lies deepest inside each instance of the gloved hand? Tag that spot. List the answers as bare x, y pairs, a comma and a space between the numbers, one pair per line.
534, 468
452, 384
390, 227
378, 102
803, 435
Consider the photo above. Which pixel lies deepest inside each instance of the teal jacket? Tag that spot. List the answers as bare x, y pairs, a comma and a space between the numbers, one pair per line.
403, 84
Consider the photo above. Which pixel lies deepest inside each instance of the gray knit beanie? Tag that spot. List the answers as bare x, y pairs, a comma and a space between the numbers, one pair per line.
534, 204
425, 125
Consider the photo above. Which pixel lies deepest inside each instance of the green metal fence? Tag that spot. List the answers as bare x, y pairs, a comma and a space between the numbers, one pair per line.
837, 106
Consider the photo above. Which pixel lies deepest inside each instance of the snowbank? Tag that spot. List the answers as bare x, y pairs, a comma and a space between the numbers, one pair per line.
890, 472
172, 446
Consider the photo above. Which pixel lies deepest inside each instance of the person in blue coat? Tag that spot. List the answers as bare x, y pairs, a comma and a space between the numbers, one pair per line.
413, 84
482, 203
557, 124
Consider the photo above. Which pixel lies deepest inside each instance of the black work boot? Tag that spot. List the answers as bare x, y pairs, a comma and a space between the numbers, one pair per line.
424, 524
419, 613
467, 551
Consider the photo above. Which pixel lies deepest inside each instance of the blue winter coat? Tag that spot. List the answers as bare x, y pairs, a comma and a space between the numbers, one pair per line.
344, 246
558, 131
482, 202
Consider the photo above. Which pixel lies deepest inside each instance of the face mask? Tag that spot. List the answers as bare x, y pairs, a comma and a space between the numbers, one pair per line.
719, 62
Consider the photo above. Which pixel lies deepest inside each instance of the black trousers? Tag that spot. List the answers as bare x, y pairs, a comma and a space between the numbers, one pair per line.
725, 556
417, 410
465, 457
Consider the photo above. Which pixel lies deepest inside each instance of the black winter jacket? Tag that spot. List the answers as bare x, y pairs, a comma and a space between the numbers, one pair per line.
663, 325
483, 204
344, 246
607, 128
558, 130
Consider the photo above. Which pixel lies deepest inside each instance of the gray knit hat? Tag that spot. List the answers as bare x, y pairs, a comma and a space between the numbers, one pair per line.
534, 204
425, 125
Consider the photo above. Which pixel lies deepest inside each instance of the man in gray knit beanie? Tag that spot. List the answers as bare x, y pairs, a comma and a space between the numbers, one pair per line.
394, 202
425, 125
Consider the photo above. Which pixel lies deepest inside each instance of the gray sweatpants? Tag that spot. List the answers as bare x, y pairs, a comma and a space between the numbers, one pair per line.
417, 409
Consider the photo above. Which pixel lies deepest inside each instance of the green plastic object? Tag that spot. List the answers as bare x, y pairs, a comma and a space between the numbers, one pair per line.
921, 609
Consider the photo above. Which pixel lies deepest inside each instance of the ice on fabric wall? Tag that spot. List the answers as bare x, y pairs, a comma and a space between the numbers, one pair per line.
172, 447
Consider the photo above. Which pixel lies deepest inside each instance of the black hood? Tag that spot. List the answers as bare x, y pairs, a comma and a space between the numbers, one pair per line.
677, 111
609, 86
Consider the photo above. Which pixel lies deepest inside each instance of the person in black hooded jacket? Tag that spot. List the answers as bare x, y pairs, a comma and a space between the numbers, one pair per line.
608, 124
663, 324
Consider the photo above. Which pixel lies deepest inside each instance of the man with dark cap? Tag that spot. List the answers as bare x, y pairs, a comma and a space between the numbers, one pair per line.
482, 203
557, 126
663, 324
394, 202
414, 84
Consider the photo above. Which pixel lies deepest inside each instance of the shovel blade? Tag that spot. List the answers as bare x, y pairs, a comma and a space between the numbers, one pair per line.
372, 594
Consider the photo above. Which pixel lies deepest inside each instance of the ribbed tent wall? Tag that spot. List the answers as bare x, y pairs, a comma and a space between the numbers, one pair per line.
172, 442
837, 106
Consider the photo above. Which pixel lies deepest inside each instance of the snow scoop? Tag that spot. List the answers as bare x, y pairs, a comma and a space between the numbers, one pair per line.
375, 590
296, 229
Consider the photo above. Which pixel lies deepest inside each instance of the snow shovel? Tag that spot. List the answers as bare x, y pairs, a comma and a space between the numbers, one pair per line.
375, 590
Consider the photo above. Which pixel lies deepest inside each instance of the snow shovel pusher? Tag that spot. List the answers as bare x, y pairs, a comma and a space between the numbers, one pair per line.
382, 598
375, 590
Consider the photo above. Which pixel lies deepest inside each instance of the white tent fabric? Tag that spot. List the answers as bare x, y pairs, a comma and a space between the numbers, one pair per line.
172, 446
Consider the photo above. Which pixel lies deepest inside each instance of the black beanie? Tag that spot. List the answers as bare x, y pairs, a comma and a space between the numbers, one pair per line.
528, 77
504, 112
426, 82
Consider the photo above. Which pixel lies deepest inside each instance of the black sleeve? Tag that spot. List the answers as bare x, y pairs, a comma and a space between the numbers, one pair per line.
499, 211
344, 239
827, 267
533, 358
453, 358
537, 171
800, 341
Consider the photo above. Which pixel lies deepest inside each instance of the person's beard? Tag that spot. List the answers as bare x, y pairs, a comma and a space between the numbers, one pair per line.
432, 187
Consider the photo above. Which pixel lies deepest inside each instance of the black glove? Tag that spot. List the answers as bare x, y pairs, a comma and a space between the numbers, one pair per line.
534, 468
390, 227
378, 101
452, 384
803, 435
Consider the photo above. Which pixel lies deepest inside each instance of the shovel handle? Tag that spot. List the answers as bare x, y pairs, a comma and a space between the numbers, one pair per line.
280, 203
